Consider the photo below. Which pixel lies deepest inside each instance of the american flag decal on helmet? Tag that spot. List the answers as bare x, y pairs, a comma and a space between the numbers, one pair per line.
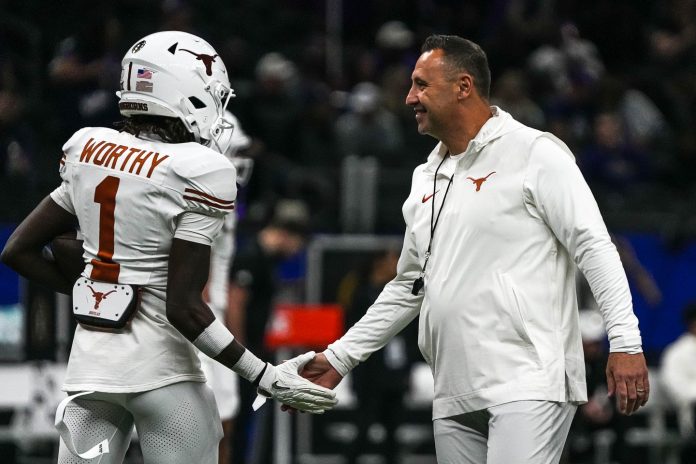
144, 73
206, 199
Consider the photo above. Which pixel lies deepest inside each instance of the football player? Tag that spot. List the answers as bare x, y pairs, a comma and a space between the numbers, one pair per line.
149, 198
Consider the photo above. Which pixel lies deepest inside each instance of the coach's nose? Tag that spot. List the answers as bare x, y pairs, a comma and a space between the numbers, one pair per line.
411, 97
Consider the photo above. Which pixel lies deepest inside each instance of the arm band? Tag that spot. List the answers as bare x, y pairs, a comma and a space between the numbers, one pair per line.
214, 339
249, 366
258, 378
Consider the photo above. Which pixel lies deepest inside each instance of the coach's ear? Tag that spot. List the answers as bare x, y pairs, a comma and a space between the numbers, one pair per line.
466, 86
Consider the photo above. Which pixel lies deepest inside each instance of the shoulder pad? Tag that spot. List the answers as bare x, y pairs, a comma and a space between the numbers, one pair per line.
207, 182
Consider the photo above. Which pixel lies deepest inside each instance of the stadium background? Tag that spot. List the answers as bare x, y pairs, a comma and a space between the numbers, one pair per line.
615, 80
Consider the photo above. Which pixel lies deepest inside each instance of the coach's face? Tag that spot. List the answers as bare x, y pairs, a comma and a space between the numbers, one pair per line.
433, 94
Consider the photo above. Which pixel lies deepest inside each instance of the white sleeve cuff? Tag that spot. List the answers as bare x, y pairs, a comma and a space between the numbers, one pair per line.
333, 354
630, 345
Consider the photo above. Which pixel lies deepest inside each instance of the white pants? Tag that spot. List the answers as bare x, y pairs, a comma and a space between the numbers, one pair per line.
224, 383
520, 432
176, 424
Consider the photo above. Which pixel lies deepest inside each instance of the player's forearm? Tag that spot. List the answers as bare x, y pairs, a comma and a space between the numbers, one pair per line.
189, 316
33, 265
189, 263
23, 251
242, 361
194, 319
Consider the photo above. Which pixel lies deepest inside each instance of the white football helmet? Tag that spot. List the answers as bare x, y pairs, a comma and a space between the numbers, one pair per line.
179, 75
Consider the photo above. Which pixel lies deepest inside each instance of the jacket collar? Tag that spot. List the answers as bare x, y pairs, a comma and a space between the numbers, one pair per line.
496, 126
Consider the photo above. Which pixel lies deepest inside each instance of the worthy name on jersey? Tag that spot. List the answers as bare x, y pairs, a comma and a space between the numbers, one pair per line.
122, 158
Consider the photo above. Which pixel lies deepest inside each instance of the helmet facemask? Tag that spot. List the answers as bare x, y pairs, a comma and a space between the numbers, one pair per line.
235, 141
219, 140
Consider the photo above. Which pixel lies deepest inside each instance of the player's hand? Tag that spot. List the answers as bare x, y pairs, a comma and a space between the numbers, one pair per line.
283, 383
321, 372
627, 380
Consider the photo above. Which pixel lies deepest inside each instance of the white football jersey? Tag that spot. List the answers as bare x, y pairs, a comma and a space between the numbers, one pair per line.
132, 196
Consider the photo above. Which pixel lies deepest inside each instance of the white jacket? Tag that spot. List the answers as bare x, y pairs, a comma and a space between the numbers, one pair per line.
498, 313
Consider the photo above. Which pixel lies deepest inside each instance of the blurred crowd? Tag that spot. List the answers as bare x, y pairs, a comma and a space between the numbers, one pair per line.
320, 80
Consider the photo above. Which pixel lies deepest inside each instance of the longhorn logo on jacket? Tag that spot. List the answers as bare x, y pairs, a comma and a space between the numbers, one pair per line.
479, 182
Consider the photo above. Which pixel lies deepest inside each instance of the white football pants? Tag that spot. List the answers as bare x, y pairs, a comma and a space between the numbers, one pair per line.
176, 424
520, 432
225, 385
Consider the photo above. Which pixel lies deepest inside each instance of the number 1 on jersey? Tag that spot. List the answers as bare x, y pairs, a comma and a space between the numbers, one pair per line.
104, 268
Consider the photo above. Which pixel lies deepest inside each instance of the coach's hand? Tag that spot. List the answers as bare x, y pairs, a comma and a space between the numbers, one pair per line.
283, 383
627, 379
320, 371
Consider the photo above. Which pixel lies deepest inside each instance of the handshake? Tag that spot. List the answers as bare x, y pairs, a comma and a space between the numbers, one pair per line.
285, 384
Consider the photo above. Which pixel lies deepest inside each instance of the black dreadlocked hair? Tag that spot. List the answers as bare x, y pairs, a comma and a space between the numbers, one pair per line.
171, 130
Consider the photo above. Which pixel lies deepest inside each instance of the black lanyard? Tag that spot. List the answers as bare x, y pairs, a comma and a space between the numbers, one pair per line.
418, 283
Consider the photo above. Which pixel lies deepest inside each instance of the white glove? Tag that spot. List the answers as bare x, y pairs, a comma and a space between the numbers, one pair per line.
283, 383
